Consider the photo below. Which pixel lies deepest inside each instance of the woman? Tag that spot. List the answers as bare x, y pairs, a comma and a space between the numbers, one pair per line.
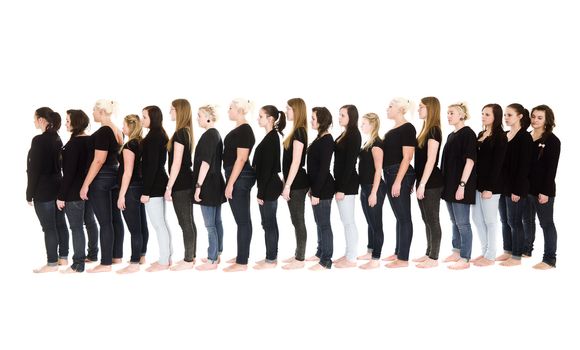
180, 183
74, 169
322, 184
131, 190
210, 184
398, 149
457, 163
101, 180
154, 155
266, 164
516, 184
491, 148
346, 149
240, 178
429, 178
372, 189
44, 177
295, 177
545, 156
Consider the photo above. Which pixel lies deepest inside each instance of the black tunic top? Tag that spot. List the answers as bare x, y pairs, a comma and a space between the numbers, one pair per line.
43, 167
74, 168
394, 141
490, 156
184, 178
346, 152
209, 149
153, 163
366, 164
136, 178
318, 164
436, 178
240, 137
266, 164
460, 145
516, 166
544, 166
301, 179
104, 140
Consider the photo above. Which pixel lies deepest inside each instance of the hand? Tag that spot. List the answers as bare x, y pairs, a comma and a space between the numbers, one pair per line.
30, 203
515, 198
229, 191
460, 193
486, 194
121, 203
260, 201
60, 204
314, 200
421, 192
167, 195
339, 196
372, 200
144, 199
84, 193
196, 195
396, 189
286, 193
542, 199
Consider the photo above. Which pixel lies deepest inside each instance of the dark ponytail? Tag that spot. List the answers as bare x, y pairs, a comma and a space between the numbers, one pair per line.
79, 121
279, 117
525, 121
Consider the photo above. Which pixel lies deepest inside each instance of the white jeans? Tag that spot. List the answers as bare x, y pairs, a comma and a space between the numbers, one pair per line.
484, 215
346, 211
156, 213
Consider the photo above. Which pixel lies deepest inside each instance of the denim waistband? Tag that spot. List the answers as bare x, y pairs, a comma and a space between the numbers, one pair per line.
109, 169
247, 170
395, 168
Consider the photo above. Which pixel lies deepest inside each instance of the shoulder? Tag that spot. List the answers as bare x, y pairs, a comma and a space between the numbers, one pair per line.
409, 127
553, 140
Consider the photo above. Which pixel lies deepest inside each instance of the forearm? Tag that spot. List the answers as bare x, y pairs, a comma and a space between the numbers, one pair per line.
203, 169
94, 169
236, 171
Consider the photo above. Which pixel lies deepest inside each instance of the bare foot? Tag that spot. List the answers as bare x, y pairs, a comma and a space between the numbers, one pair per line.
317, 267
390, 258
231, 261
342, 258
312, 258
460, 264
367, 256
236, 268
206, 260
131, 268
100, 268
484, 262
429, 263
345, 264
117, 261
46, 268
289, 260
156, 266
453, 257
89, 261
511, 262
476, 259
397, 263
503, 257
421, 259
372, 264
526, 256
263, 261
183, 266
142, 260
69, 270
265, 265
62, 262
296, 264
207, 267
542, 266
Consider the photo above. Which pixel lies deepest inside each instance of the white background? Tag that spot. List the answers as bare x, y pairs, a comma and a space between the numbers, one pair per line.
68, 54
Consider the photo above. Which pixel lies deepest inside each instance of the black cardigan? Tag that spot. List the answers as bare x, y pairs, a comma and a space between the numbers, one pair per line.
490, 156
544, 166
318, 166
345, 156
153, 163
266, 164
516, 166
74, 168
43, 167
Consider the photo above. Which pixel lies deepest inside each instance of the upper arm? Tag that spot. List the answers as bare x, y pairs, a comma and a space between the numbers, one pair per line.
432, 148
297, 148
242, 154
377, 153
408, 152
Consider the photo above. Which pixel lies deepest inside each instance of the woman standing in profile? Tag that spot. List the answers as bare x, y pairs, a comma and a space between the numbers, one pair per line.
101, 179
266, 163
43, 168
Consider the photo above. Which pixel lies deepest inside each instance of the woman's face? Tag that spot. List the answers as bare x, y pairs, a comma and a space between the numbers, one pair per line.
97, 114
393, 110
422, 111
538, 120
68, 126
201, 119
487, 117
511, 117
343, 117
453, 116
36, 121
365, 126
289, 113
233, 112
173, 113
126, 130
263, 120
146, 120
314, 121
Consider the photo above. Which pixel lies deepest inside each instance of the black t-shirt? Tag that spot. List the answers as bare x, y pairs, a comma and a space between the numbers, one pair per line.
153, 163
394, 141
240, 137
104, 140
74, 168
44, 167
301, 179
545, 157
318, 162
135, 147
436, 178
366, 163
209, 149
460, 146
184, 179
345, 156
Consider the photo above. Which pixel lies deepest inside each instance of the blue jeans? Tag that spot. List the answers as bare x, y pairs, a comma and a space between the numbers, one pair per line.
374, 217
92, 232
136, 221
75, 212
103, 196
545, 214
270, 226
240, 205
401, 207
511, 215
212, 218
324, 230
462, 235
55, 231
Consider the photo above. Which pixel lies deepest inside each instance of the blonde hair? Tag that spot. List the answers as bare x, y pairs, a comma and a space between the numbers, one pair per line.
109, 106
182, 120
433, 118
299, 109
375, 122
461, 107
209, 111
243, 105
135, 127
405, 104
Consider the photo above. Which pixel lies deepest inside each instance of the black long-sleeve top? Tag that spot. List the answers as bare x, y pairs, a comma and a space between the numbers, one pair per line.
74, 168
44, 167
136, 177
318, 167
490, 156
346, 152
266, 164
153, 161
516, 165
544, 166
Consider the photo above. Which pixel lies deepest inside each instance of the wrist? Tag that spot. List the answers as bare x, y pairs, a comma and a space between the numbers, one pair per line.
462, 184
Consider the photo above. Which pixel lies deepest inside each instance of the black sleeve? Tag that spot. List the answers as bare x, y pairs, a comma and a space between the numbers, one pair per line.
33, 167
133, 146
326, 150
301, 136
264, 171
351, 156
207, 146
103, 139
552, 154
182, 137
150, 165
71, 169
524, 164
246, 138
470, 146
409, 136
499, 151
435, 134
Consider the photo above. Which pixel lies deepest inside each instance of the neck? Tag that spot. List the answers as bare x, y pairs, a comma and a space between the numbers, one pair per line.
209, 126
515, 128
240, 121
459, 125
269, 127
400, 120
538, 132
